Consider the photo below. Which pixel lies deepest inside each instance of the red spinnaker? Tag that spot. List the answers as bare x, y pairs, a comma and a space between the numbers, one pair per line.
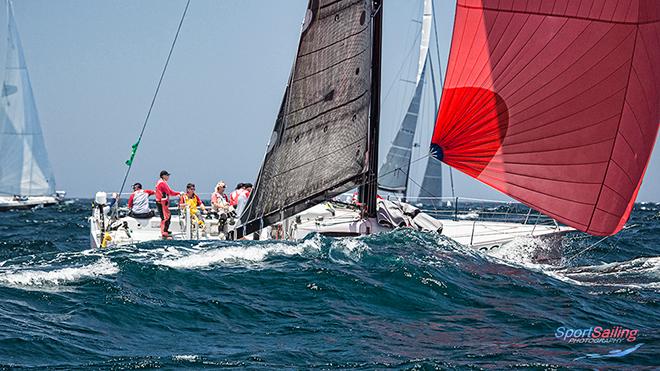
555, 103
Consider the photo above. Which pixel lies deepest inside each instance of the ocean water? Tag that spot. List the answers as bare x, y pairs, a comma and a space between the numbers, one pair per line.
404, 300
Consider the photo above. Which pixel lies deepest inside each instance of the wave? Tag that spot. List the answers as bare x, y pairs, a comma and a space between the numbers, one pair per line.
60, 276
548, 257
639, 273
241, 255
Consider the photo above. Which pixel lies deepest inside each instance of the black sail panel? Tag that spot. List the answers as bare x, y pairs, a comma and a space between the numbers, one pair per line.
319, 144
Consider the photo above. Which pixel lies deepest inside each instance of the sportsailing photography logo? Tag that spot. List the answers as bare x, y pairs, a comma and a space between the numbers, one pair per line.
597, 335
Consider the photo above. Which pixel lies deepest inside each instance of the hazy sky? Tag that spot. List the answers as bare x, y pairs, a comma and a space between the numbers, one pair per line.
94, 66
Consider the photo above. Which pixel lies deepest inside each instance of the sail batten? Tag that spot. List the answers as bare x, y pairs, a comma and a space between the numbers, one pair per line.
557, 107
24, 166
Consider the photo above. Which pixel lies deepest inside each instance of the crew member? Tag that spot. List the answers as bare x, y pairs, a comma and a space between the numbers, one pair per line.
138, 203
243, 196
163, 193
193, 201
233, 196
219, 200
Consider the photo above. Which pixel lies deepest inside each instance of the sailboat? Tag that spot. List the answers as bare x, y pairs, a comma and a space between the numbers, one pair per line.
26, 177
522, 110
325, 140
396, 172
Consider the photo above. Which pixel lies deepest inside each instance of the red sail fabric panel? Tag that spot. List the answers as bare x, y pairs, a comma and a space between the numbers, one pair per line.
555, 103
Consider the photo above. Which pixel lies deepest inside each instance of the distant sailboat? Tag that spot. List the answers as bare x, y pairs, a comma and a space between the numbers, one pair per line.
396, 171
26, 177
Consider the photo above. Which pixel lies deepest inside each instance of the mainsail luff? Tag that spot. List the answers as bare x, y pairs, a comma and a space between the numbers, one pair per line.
319, 147
368, 190
24, 166
558, 106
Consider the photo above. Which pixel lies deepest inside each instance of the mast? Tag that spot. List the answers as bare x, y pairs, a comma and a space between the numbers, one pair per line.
369, 190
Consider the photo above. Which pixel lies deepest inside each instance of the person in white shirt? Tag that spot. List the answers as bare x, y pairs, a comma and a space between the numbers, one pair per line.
138, 203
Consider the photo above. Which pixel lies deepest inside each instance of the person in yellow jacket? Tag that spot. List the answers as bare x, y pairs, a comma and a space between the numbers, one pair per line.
193, 201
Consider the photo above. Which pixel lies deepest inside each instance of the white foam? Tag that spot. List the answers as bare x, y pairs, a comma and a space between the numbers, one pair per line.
351, 248
230, 254
649, 265
522, 250
186, 358
640, 273
35, 277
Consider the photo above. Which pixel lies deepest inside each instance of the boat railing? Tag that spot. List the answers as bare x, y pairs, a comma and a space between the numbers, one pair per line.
476, 209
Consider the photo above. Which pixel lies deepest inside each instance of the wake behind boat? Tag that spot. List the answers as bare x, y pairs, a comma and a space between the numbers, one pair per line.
26, 177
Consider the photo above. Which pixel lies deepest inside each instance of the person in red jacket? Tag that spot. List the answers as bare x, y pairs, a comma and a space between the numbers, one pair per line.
163, 193
233, 196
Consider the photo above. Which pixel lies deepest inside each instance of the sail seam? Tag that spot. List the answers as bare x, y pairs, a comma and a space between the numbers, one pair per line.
541, 209
316, 159
331, 66
471, 99
641, 85
508, 143
559, 89
474, 98
333, 43
623, 170
324, 112
557, 15
600, 191
509, 172
541, 164
534, 190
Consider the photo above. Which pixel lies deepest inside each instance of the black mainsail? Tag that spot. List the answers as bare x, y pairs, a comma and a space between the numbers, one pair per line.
322, 143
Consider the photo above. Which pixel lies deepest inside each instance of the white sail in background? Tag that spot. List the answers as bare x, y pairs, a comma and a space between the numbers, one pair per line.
24, 166
427, 21
395, 171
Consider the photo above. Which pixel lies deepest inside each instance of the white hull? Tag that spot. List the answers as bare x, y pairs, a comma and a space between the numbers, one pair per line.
132, 230
333, 220
14, 203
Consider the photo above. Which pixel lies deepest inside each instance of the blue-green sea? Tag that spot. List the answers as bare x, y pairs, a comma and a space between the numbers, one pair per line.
402, 300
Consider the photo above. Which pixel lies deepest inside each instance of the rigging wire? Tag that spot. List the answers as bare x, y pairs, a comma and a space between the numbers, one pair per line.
437, 52
151, 106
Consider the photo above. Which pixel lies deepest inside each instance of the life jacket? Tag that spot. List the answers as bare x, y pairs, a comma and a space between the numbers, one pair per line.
233, 197
192, 202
